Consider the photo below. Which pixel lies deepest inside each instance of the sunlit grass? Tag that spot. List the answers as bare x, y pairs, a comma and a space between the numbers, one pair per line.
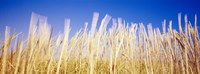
122, 49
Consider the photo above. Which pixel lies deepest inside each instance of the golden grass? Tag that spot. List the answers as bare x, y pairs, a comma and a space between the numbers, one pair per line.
123, 49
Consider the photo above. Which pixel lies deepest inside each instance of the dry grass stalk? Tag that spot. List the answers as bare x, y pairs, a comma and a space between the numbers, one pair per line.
125, 48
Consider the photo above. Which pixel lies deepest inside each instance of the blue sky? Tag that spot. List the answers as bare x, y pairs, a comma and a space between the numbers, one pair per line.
16, 14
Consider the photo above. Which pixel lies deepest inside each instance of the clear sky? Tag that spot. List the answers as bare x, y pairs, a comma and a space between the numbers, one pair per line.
16, 14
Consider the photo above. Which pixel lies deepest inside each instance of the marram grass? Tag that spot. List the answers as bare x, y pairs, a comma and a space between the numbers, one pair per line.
122, 49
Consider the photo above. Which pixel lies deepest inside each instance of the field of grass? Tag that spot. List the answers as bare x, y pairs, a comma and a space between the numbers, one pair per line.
122, 49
